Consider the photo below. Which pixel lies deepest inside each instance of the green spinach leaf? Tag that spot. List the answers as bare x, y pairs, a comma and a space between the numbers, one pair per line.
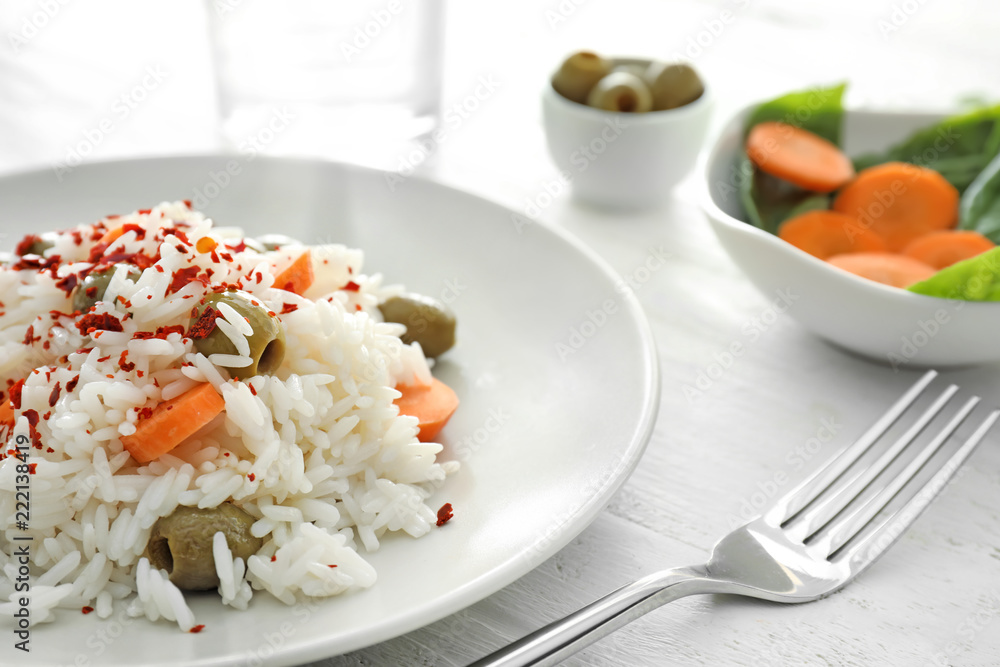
958, 147
979, 208
975, 279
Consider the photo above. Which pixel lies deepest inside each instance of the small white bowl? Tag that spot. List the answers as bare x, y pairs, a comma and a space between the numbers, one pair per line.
883, 323
624, 160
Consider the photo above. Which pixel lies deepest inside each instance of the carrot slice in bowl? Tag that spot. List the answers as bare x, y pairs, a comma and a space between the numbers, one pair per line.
824, 234
172, 422
900, 202
798, 156
432, 404
944, 248
884, 267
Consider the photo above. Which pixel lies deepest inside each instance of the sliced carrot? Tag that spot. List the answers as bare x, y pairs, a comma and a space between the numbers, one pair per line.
884, 267
432, 404
6, 415
112, 234
944, 248
900, 202
172, 422
298, 276
824, 234
798, 156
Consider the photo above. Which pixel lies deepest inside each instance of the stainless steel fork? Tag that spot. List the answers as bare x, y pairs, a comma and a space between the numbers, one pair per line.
814, 540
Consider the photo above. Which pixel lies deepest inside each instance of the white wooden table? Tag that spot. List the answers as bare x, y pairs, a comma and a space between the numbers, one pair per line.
933, 600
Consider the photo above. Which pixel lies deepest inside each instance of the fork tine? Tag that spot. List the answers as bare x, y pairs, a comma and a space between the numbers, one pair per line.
846, 527
841, 492
883, 534
814, 485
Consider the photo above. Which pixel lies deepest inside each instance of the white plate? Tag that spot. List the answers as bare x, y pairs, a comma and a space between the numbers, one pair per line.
555, 367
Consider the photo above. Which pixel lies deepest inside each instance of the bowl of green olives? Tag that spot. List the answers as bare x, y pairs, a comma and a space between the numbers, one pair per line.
624, 131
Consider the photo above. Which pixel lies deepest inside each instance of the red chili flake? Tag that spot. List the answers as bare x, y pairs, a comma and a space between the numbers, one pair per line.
357, 306
252, 390
49, 450
15, 394
140, 373
104, 358
46, 345
159, 268
226, 256
187, 202
124, 363
110, 376
444, 514
206, 244
351, 286
69, 283
225, 453
98, 322
204, 325
54, 396
288, 308
169, 408
29, 336
31, 468
328, 565
45, 418
144, 211
145, 413
181, 278
350, 269
258, 277
87, 610
251, 477
71, 385
97, 252
181, 248
140, 233
274, 558
198, 628
237, 247
22, 248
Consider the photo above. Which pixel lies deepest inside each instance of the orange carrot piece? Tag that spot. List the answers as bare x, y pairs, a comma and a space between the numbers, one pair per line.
6, 415
941, 249
298, 276
798, 156
884, 267
432, 405
900, 202
824, 234
111, 235
172, 422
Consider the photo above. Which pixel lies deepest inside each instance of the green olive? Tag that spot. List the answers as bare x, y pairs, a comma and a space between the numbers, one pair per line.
267, 342
579, 74
673, 85
37, 246
428, 321
275, 241
93, 287
621, 91
181, 543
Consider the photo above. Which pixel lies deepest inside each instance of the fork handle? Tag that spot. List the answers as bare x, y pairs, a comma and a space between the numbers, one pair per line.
560, 639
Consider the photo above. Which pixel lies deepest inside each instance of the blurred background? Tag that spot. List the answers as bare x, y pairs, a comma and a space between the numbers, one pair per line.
110, 78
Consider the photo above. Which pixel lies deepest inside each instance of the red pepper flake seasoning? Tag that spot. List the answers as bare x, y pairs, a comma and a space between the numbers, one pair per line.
87, 610
288, 308
98, 322
45, 418
444, 514
124, 363
140, 233
181, 248
328, 565
69, 283
49, 450
144, 211
15, 394
22, 248
103, 359
29, 336
145, 413
54, 396
198, 628
181, 278
225, 453
140, 373
274, 558
252, 390
204, 325
187, 202
31, 468
206, 244
357, 306
71, 385
351, 286
251, 477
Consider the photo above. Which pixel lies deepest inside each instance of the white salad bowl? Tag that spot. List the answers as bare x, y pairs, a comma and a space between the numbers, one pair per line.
624, 160
886, 324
